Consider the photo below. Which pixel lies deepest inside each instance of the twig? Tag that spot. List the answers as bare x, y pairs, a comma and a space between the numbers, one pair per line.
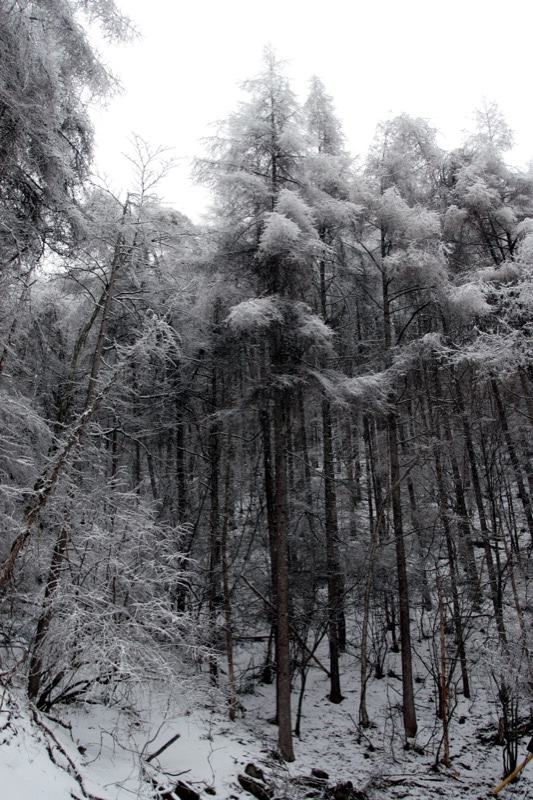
294, 632
47, 482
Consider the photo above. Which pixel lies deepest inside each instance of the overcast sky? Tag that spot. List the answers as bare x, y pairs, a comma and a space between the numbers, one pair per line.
436, 60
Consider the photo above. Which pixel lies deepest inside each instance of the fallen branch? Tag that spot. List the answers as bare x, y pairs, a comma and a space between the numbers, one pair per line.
163, 747
513, 774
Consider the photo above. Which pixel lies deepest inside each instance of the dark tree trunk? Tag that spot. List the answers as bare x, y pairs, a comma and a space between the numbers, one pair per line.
408, 695
334, 574
283, 666
457, 617
514, 459
214, 529
494, 582
35, 672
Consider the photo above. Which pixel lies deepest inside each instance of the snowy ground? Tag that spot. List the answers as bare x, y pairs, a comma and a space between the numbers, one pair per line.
109, 750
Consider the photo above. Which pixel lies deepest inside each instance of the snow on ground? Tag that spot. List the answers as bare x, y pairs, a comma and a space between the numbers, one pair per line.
110, 748
26, 770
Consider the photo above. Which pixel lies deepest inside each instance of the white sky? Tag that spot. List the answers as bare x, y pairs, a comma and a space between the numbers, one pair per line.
377, 58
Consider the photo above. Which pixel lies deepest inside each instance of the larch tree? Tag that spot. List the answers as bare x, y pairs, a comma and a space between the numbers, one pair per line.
327, 191
270, 244
400, 241
487, 219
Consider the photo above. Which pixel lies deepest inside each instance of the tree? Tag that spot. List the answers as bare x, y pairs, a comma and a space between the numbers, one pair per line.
328, 192
49, 72
403, 246
123, 334
270, 242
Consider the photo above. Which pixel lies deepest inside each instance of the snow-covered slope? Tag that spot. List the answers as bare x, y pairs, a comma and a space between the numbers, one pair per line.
108, 753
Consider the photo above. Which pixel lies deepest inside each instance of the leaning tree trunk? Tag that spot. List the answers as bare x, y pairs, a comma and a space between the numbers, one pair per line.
457, 616
35, 670
463, 523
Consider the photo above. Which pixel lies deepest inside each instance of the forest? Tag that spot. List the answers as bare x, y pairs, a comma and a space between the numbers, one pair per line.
290, 443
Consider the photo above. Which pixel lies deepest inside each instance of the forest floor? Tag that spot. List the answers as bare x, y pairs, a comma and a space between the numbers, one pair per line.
109, 749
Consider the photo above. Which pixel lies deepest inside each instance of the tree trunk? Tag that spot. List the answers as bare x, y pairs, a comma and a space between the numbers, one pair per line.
513, 457
408, 695
494, 583
35, 671
214, 529
228, 616
457, 618
463, 523
334, 575
443, 676
283, 666
270, 503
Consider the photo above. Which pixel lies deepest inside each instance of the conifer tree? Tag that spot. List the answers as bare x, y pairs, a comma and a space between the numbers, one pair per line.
270, 242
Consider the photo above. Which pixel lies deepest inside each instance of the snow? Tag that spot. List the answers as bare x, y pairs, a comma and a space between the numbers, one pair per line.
469, 301
258, 312
280, 235
26, 771
110, 746
291, 205
310, 327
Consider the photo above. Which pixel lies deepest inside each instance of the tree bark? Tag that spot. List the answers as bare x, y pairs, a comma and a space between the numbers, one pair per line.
457, 618
35, 670
494, 583
334, 574
408, 695
513, 457
214, 528
283, 666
